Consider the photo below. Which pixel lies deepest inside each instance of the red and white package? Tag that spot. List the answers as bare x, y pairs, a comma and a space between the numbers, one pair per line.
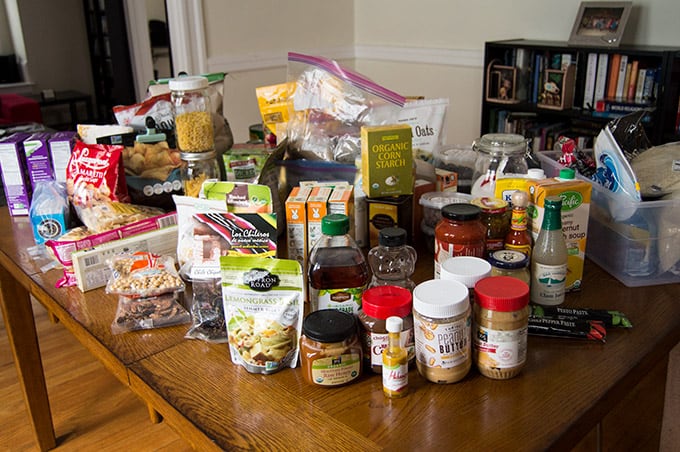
158, 107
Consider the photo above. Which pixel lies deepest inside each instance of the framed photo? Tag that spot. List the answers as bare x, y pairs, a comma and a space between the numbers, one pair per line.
501, 83
600, 23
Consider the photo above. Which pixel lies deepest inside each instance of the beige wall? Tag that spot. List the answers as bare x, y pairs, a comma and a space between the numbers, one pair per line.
432, 48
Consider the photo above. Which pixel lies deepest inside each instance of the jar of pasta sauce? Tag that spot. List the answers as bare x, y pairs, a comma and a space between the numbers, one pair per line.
377, 304
501, 325
442, 323
460, 232
330, 350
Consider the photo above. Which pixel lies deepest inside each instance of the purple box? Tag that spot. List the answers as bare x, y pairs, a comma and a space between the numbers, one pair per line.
38, 161
61, 145
14, 177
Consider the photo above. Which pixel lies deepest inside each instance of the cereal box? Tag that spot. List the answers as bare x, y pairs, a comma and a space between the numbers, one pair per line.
575, 196
14, 177
387, 160
61, 144
38, 161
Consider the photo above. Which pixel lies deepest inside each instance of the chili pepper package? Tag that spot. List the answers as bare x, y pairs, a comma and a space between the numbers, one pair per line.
150, 312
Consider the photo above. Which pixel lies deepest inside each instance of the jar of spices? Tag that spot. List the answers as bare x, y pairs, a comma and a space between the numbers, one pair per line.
442, 322
377, 304
192, 113
198, 168
501, 323
330, 351
460, 232
498, 155
467, 270
495, 215
510, 263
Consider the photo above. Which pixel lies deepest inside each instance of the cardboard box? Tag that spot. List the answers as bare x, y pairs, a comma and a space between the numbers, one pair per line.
14, 176
296, 224
575, 196
342, 201
317, 208
387, 160
61, 144
388, 212
38, 163
90, 265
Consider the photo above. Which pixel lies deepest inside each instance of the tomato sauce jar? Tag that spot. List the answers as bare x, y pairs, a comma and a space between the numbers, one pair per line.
460, 232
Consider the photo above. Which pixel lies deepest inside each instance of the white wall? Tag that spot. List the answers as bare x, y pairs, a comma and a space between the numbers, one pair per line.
432, 48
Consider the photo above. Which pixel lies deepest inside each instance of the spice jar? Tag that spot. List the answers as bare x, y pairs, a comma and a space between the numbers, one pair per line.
467, 270
193, 117
498, 155
330, 351
441, 321
377, 304
501, 323
495, 215
510, 263
198, 168
460, 232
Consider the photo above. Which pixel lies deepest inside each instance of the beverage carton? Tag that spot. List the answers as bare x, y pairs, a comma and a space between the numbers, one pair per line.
14, 177
342, 201
317, 208
575, 196
296, 224
387, 160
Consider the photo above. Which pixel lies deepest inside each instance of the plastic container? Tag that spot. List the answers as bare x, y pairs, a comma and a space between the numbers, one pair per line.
643, 249
192, 112
393, 261
498, 155
459, 159
433, 202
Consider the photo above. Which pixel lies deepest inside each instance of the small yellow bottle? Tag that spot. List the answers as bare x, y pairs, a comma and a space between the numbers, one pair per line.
395, 361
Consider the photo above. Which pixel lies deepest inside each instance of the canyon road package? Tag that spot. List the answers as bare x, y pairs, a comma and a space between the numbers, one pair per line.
387, 160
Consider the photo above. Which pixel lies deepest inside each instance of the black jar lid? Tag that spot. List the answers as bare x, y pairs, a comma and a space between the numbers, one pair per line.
508, 259
329, 325
461, 212
392, 236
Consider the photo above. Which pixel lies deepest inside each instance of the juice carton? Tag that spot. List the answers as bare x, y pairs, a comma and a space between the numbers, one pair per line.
575, 196
387, 160
14, 177
317, 208
296, 224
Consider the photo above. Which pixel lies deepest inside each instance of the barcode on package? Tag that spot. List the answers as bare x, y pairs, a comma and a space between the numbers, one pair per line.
167, 221
90, 261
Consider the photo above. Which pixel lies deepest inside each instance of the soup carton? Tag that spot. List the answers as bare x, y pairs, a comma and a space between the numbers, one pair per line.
575, 196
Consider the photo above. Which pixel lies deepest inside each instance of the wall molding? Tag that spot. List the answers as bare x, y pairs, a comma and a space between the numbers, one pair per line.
409, 55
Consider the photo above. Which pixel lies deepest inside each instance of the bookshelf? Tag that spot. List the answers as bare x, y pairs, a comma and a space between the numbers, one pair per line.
542, 89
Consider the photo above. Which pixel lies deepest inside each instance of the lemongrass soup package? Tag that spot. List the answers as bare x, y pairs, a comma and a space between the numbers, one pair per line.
263, 308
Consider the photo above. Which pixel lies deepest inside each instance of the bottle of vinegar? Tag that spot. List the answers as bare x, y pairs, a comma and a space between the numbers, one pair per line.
549, 257
338, 272
394, 361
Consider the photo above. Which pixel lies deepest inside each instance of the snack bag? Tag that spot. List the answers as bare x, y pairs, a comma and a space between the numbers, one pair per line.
146, 313
263, 307
143, 274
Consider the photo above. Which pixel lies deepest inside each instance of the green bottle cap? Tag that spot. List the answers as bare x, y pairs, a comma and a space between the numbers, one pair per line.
335, 224
567, 173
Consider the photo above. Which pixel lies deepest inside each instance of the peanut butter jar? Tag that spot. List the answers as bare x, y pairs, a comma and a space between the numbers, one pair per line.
500, 329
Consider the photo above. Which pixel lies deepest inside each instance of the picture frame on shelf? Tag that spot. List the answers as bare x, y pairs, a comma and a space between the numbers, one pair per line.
600, 23
501, 83
557, 90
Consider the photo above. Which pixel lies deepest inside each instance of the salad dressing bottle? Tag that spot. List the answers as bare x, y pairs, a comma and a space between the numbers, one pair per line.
549, 257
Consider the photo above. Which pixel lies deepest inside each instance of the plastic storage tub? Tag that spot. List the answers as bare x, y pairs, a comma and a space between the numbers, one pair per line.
636, 242
433, 202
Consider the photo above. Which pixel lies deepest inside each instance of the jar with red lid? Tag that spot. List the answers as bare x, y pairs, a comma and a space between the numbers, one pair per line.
500, 326
495, 215
377, 304
460, 232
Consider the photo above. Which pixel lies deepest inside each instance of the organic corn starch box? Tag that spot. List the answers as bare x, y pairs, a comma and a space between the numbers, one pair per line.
387, 160
575, 195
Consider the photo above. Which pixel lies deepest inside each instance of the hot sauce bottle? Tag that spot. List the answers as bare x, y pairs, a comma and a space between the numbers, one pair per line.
519, 237
395, 361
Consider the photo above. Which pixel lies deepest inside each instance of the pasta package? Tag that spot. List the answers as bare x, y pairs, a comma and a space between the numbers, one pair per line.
263, 308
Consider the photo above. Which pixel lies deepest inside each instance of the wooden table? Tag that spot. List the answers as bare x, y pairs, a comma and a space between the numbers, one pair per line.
565, 390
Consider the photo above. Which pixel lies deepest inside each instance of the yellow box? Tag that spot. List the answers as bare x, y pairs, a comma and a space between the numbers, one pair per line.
575, 196
387, 160
296, 224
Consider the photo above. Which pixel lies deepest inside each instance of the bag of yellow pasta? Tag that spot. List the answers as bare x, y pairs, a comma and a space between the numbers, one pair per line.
263, 308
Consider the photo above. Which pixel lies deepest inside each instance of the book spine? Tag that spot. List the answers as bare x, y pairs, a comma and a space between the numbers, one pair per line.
613, 75
648, 88
622, 77
633, 79
601, 79
589, 90
639, 88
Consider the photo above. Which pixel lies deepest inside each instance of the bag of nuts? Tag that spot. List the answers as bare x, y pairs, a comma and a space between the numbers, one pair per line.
143, 274
150, 312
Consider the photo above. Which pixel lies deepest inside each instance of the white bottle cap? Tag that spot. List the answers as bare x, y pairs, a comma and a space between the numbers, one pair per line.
394, 324
465, 269
441, 298
536, 173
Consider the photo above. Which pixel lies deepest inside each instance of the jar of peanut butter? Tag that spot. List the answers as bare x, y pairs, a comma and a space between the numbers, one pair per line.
501, 324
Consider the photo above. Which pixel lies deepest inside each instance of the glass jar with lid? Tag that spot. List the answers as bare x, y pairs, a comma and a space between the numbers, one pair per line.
198, 167
498, 155
192, 113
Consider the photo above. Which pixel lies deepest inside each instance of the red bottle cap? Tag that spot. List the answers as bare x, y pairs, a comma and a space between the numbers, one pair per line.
501, 293
381, 302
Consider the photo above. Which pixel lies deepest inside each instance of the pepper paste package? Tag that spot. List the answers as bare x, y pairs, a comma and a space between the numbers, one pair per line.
593, 330
609, 318
263, 308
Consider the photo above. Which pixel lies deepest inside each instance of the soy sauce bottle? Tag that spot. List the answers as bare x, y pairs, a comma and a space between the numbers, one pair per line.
338, 272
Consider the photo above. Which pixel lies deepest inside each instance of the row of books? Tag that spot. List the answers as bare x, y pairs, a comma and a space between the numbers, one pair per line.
531, 66
542, 134
619, 78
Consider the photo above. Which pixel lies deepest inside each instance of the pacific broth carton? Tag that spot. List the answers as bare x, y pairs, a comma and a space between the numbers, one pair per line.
387, 160
575, 195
